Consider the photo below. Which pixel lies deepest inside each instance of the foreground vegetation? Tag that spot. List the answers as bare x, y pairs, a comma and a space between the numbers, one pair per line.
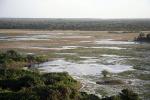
19, 84
27, 85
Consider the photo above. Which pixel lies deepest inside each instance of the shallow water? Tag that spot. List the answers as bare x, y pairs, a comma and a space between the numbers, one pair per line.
87, 67
112, 42
105, 47
25, 37
48, 48
69, 47
87, 71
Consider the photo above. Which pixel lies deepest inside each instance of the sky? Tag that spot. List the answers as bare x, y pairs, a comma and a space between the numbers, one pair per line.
75, 8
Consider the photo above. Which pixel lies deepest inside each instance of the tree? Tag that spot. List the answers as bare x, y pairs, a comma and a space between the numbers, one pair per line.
40, 59
105, 73
141, 35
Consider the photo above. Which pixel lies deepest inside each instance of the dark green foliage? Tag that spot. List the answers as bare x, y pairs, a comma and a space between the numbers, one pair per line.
13, 59
10, 84
143, 38
16, 73
16, 79
40, 58
18, 96
11, 54
30, 81
27, 85
54, 78
59, 92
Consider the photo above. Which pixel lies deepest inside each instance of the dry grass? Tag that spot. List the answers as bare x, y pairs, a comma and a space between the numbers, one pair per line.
59, 41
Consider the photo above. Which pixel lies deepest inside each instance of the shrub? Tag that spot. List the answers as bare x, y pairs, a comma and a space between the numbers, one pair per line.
105, 73
13, 59
56, 78
16, 73
29, 81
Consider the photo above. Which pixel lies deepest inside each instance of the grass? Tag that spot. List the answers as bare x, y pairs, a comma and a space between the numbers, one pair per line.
136, 75
127, 74
99, 51
143, 76
139, 64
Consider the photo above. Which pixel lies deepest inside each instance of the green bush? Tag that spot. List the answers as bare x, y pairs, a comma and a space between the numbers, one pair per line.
16, 73
56, 78
20, 83
30, 81
13, 59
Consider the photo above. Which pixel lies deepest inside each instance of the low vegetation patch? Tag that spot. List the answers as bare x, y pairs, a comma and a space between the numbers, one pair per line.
136, 75
14, 59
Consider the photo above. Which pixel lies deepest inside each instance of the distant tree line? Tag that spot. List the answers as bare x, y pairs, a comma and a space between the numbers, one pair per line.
76, 24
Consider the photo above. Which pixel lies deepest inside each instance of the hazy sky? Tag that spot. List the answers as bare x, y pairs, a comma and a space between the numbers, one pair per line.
75, 8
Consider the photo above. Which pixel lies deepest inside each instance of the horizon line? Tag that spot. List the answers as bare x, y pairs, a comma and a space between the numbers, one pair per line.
62, 18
